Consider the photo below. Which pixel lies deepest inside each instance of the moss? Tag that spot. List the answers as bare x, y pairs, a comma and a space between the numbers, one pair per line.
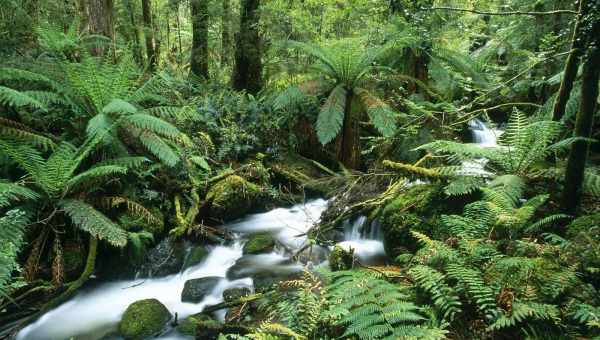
143, 319
233, 197
196, 255
259, 243
416, 209
341, 259
299, 173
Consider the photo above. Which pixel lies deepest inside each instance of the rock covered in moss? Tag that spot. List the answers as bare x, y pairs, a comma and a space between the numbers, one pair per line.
259, 243
414, 209
233, 197
196, 255
195, 290
233, 294
166, 258
144, 319
341, 259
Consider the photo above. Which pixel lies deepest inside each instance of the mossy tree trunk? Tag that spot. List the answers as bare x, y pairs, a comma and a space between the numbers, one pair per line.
199, 57
149, 35
571, 66
247, 74
583, 125
349, 145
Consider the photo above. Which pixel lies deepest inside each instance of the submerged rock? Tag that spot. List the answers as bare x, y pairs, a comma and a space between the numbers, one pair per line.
233, 197
259, 243
144, 319
195, 290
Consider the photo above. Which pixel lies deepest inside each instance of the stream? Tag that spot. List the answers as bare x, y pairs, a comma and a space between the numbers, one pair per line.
94, 313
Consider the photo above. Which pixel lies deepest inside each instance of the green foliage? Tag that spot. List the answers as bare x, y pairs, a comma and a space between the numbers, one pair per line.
372, 308
12, 230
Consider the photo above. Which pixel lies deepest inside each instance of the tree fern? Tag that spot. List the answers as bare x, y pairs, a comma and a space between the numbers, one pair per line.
331, 116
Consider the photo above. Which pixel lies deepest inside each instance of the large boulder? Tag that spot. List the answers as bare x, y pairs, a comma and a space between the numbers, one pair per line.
259, 243
166, 258
195, 290
144, 319
233, 197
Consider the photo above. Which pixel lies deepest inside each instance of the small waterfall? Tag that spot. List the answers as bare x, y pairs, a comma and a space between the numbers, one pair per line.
485, 138
364, 239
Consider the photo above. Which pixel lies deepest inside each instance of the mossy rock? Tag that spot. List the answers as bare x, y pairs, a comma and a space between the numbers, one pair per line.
341, 259
144, 319
196, 255
418, 209
236, 293
195, 290
233, 197
189, 325
259, 243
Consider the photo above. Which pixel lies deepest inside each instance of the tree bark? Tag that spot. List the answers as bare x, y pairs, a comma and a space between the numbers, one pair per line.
149, 35
583, 128
226, 32
199, 56
100, 16
247, 74
571, 66
349, 150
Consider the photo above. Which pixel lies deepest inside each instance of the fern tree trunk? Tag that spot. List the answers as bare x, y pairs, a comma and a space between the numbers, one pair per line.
571, 65
226, 32
583, 128
349, 149
149, 34
199, 57
247, 73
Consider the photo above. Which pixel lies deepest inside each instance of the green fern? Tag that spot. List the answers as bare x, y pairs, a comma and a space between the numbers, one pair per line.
442, 295
525, 311
475, 288
12, 231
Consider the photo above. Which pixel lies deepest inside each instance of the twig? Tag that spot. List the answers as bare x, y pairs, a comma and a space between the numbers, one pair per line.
535, 13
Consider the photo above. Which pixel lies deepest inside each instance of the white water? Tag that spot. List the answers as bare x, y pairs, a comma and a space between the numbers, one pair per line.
364, 240
96, 311
485, 138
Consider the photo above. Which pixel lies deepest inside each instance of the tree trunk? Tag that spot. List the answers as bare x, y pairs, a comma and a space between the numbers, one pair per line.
199, 57
248, 64
149, 35
100, 16
571, 66
583, 128
135, 33
226, 32
349, 149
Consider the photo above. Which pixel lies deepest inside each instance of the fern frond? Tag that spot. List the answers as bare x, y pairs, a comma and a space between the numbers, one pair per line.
525, 311
18, 99
331, 116
15, 130
93, 175
442, 295
159, 148
87, 218
13, 192
382, 116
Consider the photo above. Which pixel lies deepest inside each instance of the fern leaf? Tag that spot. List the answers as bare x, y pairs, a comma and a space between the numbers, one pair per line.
331, 116
87, 218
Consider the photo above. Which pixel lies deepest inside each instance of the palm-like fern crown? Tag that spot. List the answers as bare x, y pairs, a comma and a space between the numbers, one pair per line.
342, 73
102, 94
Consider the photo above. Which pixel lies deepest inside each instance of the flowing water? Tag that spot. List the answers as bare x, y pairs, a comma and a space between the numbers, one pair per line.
94, 313
486, 138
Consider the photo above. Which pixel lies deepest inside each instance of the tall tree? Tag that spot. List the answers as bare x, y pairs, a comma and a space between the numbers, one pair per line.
100, 16
571, 66
226, 32
247, 73
578, 155
199, 57
149, 34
